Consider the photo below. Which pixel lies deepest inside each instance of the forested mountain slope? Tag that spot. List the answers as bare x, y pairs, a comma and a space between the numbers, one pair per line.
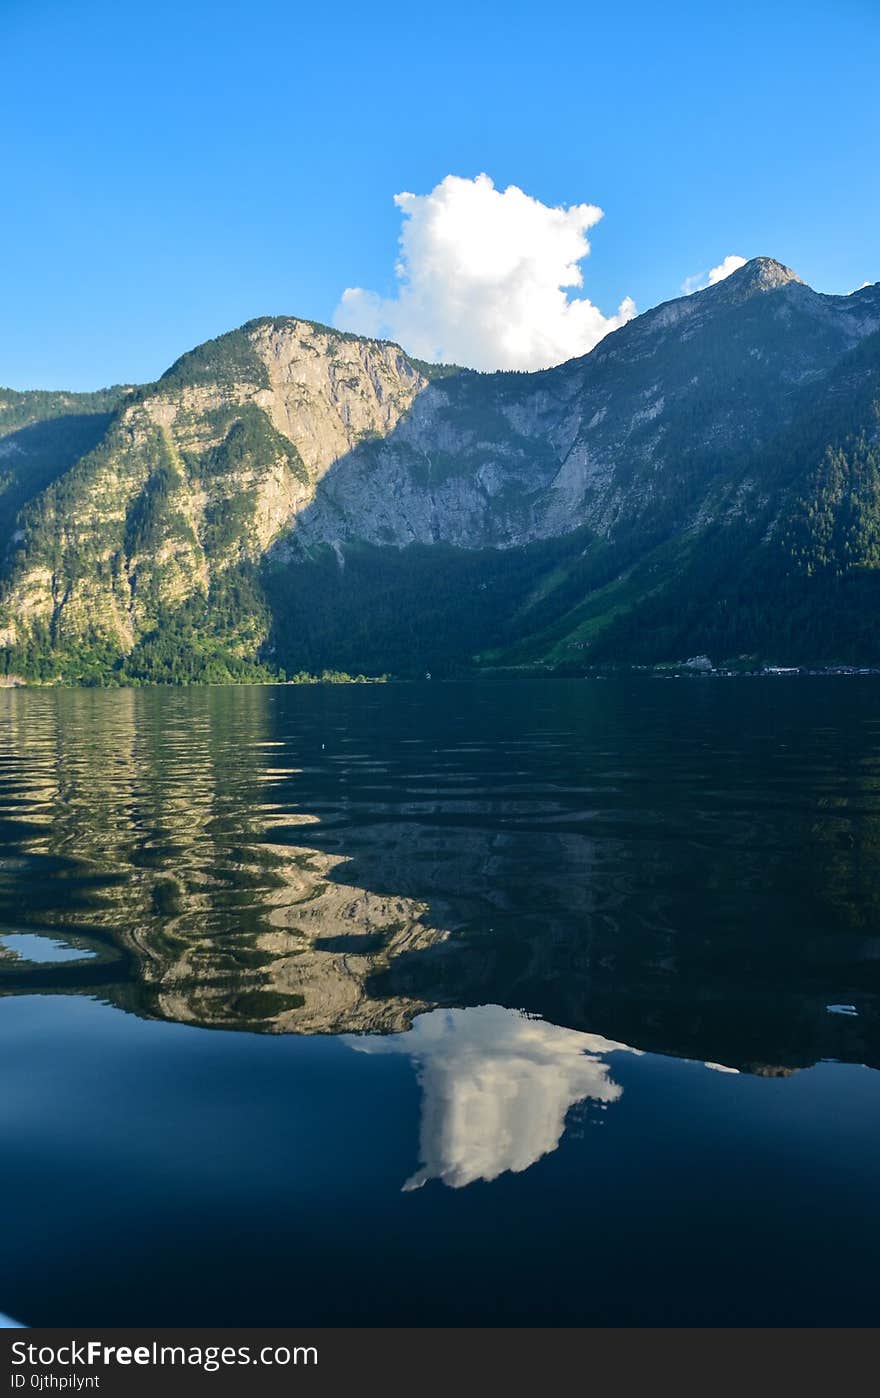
291, 496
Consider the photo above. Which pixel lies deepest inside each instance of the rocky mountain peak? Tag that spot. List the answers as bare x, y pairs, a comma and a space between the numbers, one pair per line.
760, 274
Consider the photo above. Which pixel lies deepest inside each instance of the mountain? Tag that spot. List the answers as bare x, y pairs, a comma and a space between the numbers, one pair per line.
41, 436
706, 479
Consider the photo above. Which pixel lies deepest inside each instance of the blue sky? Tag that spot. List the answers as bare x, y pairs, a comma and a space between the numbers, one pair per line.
172, 170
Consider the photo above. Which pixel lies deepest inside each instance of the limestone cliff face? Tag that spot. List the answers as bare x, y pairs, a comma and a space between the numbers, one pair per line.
201, 471
328, 392
505, 459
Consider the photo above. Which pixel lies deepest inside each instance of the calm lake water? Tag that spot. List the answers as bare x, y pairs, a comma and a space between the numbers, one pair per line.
485, 1003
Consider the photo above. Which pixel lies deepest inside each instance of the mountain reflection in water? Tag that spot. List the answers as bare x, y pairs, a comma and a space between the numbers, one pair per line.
690, 868
562, 947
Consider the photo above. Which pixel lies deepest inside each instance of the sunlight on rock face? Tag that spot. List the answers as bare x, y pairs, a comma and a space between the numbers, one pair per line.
497, 1087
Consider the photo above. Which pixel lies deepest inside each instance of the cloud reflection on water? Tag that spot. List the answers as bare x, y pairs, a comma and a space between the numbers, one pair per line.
497, 1087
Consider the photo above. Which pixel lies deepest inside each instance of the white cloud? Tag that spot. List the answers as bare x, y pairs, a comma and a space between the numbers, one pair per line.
731, 263
484, 277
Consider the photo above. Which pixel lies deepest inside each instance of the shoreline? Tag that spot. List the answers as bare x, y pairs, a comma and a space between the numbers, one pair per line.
647, 672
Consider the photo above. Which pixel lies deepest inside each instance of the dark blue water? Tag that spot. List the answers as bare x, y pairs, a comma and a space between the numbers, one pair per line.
506, 1003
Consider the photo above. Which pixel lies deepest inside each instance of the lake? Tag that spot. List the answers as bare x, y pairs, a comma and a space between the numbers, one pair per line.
483, 1003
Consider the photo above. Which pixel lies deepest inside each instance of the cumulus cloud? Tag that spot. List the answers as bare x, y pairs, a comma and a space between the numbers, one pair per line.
484, 279
731, 263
